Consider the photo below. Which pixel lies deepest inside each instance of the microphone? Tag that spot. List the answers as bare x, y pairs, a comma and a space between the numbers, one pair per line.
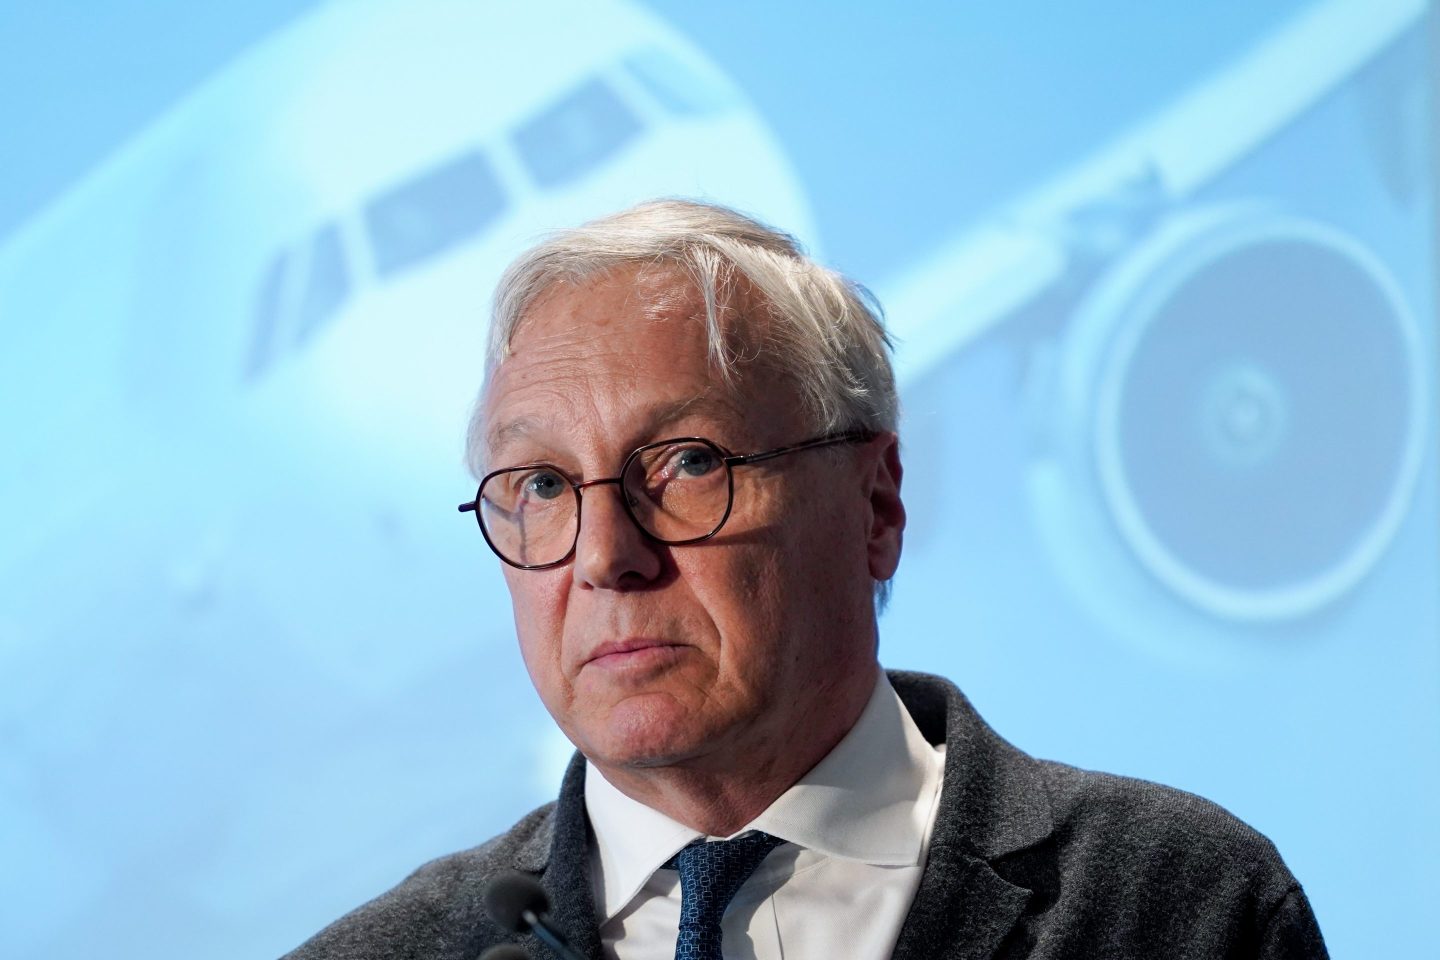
504, 951
516, 902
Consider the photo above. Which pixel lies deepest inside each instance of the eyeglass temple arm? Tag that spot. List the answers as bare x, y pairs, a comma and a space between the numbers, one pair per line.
853, 436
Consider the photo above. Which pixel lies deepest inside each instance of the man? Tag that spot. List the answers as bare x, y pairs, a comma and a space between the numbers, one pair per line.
690, 469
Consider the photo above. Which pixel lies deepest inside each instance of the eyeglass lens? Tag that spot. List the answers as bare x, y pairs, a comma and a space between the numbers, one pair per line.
676, 490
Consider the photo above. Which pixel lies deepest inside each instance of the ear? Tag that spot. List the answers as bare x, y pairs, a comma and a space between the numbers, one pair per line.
887, 512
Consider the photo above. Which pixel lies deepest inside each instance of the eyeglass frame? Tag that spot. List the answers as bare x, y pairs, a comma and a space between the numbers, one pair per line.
729, 460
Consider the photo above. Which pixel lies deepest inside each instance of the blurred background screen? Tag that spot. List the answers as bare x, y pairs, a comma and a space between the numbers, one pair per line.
1163, 279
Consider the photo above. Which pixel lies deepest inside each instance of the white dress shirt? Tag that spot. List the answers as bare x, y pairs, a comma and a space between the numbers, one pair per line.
858, 828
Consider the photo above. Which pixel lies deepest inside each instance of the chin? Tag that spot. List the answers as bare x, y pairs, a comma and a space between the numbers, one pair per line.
653, 732
640, 753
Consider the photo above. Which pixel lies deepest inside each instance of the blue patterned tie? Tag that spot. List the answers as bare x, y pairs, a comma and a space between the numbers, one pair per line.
710, 875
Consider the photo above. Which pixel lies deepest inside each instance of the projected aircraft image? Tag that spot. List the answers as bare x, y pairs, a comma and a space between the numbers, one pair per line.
1172, 260
1189, 397
257, 331
1169, 435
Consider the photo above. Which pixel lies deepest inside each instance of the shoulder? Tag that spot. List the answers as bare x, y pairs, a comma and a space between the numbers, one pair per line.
1004, 800
437, 911
1149, 830
1109, 865
1157, 865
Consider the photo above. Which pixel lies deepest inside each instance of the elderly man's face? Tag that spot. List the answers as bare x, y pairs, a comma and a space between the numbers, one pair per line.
648, 654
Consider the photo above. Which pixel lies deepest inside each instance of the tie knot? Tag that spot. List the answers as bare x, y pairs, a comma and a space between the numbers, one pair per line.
710, 875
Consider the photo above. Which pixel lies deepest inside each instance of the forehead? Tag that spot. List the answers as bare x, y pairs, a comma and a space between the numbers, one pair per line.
617, 303
623, 353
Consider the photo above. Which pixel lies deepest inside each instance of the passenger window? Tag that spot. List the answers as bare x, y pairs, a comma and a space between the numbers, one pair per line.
584, 128
679, 87
267, 317
433, 212
327, 283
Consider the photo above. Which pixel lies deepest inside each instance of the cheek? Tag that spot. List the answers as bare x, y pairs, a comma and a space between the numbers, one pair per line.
537, 601
745, 598
818, 577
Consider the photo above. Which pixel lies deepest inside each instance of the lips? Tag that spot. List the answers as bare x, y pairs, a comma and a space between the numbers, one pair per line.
617, 652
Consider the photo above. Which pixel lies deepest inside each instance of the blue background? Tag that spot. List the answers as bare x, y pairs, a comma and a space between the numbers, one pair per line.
1163, 277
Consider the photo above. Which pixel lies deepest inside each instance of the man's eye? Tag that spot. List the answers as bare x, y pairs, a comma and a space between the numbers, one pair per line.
544, 485
695, 462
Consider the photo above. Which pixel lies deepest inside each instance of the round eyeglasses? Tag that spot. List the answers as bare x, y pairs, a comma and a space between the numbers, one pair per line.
677, 491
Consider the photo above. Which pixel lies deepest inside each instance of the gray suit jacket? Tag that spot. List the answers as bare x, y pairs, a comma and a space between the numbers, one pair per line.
1028, 859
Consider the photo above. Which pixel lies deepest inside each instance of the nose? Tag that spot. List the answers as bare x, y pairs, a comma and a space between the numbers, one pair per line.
611, 552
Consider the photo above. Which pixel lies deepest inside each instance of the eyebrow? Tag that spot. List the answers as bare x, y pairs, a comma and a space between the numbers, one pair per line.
511, 429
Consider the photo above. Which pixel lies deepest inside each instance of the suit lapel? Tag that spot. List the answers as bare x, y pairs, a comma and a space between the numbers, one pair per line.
963, 909
564, 868
993, 803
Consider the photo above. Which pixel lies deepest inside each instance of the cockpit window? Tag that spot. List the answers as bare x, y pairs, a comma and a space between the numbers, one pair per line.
432, 212
327, 283
678, 86
583, 129
267, 315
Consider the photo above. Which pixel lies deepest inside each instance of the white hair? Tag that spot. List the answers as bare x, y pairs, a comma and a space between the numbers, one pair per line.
821, 330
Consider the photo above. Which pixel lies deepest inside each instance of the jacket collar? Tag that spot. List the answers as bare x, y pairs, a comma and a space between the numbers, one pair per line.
994, 799
560, 853
993, 806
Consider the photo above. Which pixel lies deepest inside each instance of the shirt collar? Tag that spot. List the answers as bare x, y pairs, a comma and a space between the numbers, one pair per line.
631, 842
869, 800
